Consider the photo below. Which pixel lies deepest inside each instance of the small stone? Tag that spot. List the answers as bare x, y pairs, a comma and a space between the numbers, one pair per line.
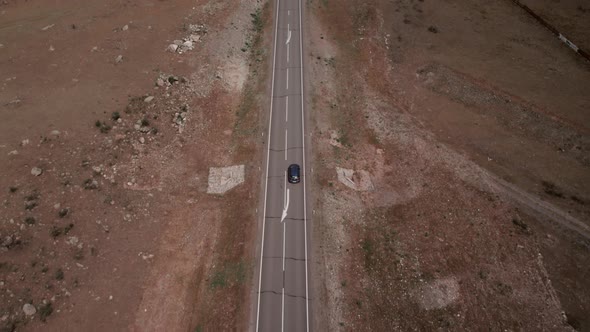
51, 49
55, 133
29, 309
125, 27
188, 44
36, 171
119, 59
160, 82
45, 28
148, 99
142, 140
94, 49
178, 42
195, 38
172, 48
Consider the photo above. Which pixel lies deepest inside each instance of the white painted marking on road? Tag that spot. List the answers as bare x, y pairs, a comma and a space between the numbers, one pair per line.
288, 12
288, 34
287, 79
287, 53
304, 178
285, 144
286, 207
283, 311
274, 54
287, 109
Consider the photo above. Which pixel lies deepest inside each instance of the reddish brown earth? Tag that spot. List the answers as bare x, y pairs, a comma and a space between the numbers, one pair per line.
118, 232
472, 121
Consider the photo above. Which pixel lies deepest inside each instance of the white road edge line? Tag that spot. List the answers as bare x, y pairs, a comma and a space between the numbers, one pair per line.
303, 173
267, 161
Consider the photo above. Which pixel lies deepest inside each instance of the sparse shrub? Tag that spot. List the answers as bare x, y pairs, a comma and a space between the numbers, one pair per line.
105, 128
45, 311
551, 189
63, 212
79, 255
433, 29
59, 274
13, 189
55, 231
30, 220
115, 116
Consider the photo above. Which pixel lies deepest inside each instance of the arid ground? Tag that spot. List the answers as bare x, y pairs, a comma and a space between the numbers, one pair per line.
450, 164
107, 135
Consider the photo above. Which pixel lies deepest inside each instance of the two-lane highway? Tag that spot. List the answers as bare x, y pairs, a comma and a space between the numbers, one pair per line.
283, 289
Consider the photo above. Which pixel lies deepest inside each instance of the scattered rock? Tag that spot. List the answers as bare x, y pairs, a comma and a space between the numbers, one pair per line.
160, 82
142, 140
125, 27
55, 133
172, 48
195, 38
36, 171
72, 240
51, 49
188, 44
197, 28
90, 184
47, 27
29, 309
148, 99
119, 58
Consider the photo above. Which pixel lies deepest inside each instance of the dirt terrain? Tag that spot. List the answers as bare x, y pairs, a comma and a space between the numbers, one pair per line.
111, 115
460, 133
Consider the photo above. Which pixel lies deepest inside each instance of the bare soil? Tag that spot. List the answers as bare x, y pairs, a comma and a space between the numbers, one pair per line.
118, 231
472, 120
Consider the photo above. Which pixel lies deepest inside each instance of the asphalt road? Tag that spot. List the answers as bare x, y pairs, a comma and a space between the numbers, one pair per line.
283, 291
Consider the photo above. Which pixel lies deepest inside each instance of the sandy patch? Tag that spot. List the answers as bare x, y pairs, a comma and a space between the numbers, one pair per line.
222, 179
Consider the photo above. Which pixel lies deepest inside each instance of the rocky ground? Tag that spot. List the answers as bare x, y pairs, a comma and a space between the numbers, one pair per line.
111, 116
450, 166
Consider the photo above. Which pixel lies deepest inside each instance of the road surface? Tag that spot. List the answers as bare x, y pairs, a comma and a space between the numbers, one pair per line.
283, 291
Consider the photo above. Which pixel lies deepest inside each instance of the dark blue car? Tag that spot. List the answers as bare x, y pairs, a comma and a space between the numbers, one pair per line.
293, 173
